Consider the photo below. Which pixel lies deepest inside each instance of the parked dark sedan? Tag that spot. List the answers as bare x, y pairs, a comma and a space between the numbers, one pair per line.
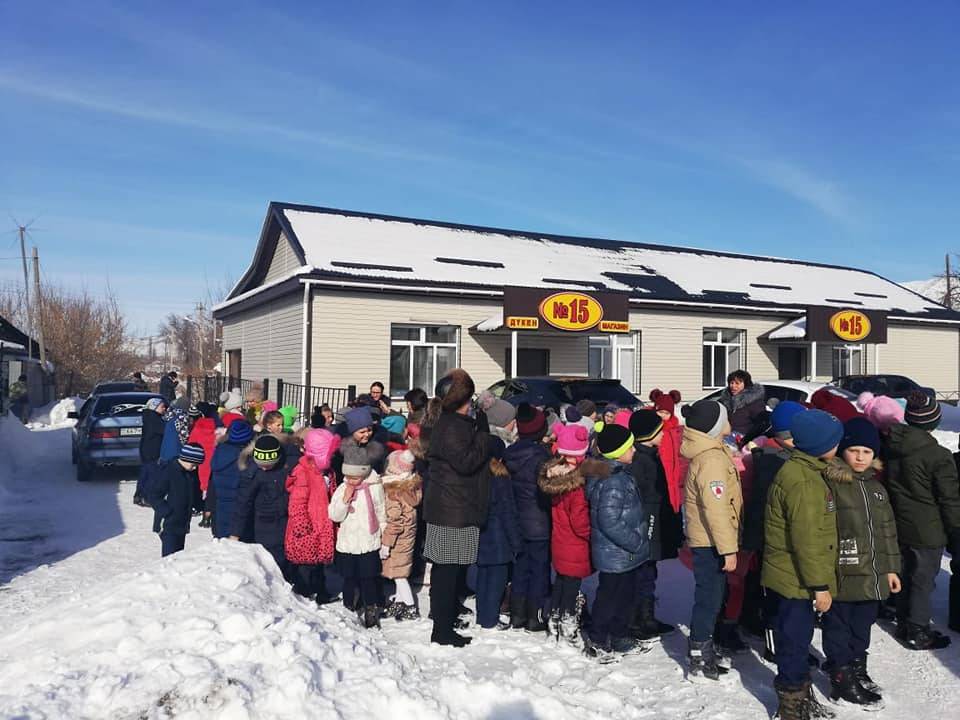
895, 386
115, 386
557, 391
108, 431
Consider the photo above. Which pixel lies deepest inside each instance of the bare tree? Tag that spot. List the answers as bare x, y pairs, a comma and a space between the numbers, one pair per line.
197, 338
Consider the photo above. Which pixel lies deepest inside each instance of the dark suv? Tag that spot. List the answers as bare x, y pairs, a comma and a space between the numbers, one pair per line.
557, 391
895, 386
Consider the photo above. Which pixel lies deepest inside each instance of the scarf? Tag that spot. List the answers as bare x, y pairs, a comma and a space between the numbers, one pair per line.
372, 523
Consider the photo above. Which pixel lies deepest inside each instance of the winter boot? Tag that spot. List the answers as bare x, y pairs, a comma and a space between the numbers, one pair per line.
573, 624
407, 612
917, 637
392, 608
792, 703
703, 661
602, 652
555, 627
844, 686
518, 612
643, 625
535, 619
727, 638
815, 709
859, 668
449, 637
631, 646
371, 616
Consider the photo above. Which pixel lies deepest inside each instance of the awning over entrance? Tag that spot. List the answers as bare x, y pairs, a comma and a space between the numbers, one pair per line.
793, 330
491, 324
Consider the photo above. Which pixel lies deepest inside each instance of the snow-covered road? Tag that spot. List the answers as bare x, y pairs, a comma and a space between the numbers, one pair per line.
107, 629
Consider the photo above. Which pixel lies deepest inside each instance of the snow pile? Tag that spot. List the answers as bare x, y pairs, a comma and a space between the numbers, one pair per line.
55, 414
949, 440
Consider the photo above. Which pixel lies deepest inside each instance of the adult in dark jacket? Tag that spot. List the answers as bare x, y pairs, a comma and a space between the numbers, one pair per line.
456, 499
745, 402
500, 541
139, 384
665, 529
168, 385
151, 436
262, 499
225, 480
172, 499
531, 573
922, 480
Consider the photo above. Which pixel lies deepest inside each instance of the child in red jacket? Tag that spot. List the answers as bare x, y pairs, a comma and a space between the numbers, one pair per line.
674, 464
563, 479
310, 536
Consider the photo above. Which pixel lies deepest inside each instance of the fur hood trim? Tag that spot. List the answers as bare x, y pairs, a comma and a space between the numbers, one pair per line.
556, 479
838, 471
403, 488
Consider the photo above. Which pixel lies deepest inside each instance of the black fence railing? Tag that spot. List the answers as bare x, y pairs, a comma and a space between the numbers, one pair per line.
293, 394
209, 388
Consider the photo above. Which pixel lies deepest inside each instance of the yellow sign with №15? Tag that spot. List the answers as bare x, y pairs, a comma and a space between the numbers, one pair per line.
850, 325
571, 311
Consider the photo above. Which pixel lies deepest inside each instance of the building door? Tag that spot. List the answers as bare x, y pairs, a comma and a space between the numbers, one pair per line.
233, 364
792, 363
531, 362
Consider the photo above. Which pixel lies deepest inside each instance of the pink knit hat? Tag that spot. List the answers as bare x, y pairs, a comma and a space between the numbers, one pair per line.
268, 406
572, 439
622, 418
884, 412
400, 462
320, 446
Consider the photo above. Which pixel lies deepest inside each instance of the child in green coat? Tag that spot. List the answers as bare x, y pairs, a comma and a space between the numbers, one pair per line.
869, 562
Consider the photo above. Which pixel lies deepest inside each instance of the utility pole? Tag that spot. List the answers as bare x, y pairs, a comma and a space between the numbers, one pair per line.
39, 306
200, 332
949, 298
26, 290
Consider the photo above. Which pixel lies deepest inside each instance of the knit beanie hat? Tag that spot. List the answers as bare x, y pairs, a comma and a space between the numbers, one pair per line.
839, 407
815, 432
645, 425
268, 406
194, 412
573, 439
266, 451
707, 416
613, 441
400, 462
610, 408
394, 424
358, 419
884, 412
782, 416
571, 414
192, 453
664, 401
232, 400
499, 412
922, 411
586, 407
860, 432
240, 432
355, 462
622, 418
320, 446
317, 420
289, 413
531, 422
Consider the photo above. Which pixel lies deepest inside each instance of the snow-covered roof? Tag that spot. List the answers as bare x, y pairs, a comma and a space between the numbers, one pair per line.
793, 330
344, 244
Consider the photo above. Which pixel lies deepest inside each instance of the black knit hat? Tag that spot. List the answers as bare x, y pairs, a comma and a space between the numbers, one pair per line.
645, 425
707, 416
531, 422
613, 441
266, 451
922, 411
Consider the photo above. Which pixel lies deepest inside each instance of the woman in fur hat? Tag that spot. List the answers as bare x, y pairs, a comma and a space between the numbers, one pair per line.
456, 498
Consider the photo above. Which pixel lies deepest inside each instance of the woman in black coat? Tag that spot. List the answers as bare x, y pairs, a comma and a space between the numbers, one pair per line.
456, 499
745, 402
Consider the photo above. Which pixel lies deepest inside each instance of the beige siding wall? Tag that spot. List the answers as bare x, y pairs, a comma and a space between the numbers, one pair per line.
929, 355
284, 261
270, 338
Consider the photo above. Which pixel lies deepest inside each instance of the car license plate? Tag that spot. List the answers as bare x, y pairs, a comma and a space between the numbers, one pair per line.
125, 432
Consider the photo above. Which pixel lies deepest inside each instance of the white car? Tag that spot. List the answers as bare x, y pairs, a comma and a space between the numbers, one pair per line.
796, 390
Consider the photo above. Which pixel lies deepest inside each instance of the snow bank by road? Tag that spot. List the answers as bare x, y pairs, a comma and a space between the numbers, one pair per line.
55, 414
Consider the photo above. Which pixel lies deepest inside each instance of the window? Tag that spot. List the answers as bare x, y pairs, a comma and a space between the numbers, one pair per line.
847, 360
420, 355
613, 357
723, 352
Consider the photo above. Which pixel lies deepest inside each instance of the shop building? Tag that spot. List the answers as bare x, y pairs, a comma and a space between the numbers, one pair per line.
337, 298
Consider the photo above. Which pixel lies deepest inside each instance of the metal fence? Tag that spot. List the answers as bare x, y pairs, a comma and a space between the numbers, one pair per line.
209, 388
952, 396
293, 394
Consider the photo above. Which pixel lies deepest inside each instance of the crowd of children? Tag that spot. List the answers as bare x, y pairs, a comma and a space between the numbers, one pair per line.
788, 519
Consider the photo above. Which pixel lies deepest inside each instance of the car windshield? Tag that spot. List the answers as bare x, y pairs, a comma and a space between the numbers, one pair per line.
604, 392
125, 405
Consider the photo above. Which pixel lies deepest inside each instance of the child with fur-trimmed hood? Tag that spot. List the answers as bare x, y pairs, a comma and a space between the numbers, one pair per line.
564, 479
403, 491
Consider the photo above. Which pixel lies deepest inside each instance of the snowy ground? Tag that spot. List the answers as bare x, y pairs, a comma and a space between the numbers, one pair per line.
106, 629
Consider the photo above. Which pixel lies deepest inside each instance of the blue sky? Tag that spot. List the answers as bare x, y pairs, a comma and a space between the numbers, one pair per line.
147, 139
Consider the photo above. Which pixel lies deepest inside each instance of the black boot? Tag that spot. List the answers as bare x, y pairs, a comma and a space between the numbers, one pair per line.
792, 703
518, 612
917, 637
859, 668
555, 625
535, 619
844, 686
727, 638
703, 660
371, 616
644, 625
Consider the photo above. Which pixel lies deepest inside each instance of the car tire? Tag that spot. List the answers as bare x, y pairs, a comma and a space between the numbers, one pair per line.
84, 471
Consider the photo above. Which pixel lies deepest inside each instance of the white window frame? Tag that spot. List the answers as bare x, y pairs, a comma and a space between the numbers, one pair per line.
617, 342
422, 342
740, 343
853, 367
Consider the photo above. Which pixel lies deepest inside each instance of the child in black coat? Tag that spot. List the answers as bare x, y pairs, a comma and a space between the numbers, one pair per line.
172, 498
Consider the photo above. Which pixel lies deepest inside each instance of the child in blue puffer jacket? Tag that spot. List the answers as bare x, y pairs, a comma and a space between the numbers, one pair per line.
619, 546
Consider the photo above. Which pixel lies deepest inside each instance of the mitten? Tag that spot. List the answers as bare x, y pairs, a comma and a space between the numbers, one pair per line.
384, 552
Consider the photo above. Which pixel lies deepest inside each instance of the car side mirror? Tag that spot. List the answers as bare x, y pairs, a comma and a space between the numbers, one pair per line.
73, 415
